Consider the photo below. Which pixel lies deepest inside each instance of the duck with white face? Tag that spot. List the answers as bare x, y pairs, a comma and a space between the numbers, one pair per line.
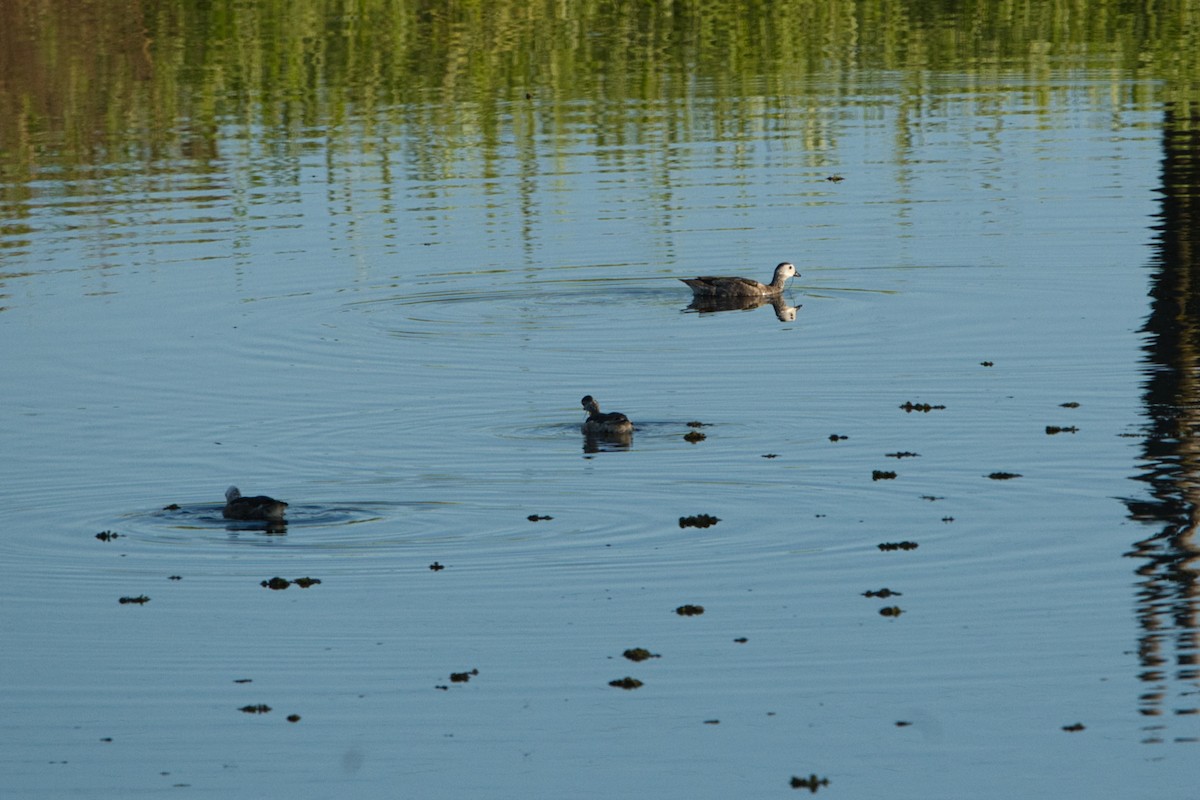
721, 286
259, 508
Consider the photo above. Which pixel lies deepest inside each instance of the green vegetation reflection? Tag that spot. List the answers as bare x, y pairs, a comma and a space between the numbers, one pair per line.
96, 83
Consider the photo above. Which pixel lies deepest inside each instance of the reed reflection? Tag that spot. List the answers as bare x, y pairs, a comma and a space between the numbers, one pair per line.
166, 84
1167, 603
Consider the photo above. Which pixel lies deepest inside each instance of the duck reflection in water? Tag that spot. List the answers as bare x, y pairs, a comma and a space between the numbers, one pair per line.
259, 508
601, 428
711, 304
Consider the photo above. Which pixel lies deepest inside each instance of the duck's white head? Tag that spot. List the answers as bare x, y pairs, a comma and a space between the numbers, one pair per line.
785, 270
232, 494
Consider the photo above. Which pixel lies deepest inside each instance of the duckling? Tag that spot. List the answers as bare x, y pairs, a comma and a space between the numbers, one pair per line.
261, 507
598, 424
715, 286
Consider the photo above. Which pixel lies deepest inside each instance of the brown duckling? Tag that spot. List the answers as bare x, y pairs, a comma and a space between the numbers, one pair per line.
601, 424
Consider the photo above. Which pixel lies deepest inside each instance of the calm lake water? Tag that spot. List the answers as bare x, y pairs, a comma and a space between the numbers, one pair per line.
371, 269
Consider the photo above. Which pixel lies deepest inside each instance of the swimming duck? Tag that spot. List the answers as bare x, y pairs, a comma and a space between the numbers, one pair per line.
598, 424
710, 286
256, 508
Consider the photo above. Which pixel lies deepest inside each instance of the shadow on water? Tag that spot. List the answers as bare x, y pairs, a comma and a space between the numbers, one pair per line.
175, 519
713, 305
1168, 608
648, 434
606, 442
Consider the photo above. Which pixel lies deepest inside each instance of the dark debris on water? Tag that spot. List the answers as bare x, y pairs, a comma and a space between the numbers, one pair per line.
812, 783
698, 521
910, 407
278, 583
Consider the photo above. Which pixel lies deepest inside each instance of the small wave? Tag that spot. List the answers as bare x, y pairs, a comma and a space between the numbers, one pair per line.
208, 515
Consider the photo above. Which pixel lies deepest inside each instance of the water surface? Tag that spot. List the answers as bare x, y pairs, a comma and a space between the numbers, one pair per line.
371, 268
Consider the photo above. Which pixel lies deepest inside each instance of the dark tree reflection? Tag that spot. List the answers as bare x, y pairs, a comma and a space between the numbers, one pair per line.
1167, 603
